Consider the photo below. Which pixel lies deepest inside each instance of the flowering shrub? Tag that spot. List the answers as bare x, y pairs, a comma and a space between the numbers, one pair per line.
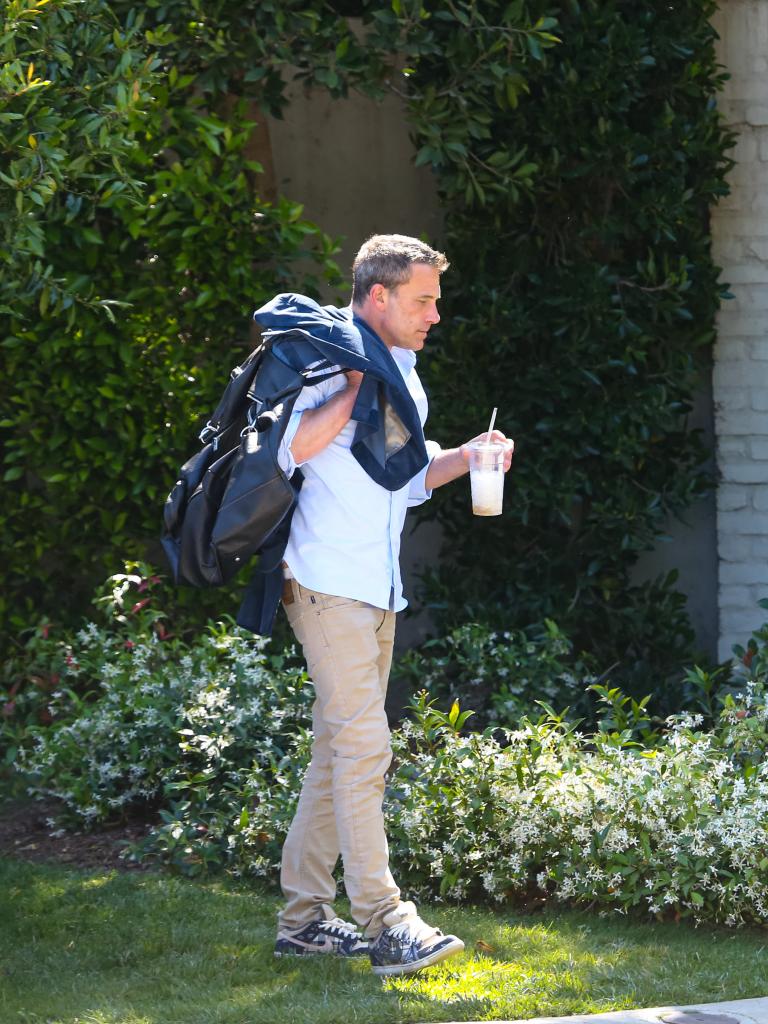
29, 679
548, 813
45, 661
138, 714
677, 828
212, 732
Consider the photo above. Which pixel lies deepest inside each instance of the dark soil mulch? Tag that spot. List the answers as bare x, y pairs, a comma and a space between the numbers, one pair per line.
26, 835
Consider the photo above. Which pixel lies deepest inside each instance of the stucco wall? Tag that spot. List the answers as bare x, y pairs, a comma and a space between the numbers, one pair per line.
350, 162
690, 547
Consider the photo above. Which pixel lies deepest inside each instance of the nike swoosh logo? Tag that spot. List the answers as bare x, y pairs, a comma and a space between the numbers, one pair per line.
325, 947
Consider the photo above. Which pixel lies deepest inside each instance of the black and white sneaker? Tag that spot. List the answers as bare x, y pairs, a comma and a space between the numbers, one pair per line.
334, 936
408, 944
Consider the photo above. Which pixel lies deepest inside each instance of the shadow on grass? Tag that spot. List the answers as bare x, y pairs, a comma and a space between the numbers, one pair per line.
154, 949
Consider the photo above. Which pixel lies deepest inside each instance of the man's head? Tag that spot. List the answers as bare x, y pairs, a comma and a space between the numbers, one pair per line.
396, 285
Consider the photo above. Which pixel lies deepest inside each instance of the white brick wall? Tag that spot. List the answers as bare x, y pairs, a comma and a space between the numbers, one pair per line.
740, 377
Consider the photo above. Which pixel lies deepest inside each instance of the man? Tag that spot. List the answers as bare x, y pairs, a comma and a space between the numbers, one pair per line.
342, 591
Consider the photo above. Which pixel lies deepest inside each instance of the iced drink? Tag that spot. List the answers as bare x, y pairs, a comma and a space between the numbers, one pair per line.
486, 475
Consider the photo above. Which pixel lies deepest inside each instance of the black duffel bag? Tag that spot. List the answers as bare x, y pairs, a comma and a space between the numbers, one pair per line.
232, 495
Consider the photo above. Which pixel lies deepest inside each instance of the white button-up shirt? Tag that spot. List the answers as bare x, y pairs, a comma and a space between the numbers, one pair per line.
345, 532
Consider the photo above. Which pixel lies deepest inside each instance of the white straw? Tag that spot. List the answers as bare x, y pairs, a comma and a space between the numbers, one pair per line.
490, 426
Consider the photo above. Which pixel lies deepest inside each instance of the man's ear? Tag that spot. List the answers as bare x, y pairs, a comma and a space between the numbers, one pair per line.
378, 296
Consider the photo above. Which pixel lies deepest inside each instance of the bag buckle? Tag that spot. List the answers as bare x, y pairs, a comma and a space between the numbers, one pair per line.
208, 433
260, 419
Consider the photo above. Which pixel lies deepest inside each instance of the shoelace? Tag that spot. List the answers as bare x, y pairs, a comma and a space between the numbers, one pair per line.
340, 927
413, 928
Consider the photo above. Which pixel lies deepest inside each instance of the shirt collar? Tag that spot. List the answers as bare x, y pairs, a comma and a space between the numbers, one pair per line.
404, 357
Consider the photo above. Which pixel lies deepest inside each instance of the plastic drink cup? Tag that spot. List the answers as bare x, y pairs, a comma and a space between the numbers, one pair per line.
486, 477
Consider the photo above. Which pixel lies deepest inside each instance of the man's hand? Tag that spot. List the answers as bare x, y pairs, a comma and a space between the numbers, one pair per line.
452, 463
496, 435
354, 379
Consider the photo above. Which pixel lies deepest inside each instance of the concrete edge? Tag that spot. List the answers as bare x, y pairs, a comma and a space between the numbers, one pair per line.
742, 1011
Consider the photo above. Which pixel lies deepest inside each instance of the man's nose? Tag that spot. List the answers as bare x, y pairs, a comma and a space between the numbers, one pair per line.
433, 316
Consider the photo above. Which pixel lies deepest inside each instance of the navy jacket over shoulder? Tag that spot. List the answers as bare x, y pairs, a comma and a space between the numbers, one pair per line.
302, 332
389, 440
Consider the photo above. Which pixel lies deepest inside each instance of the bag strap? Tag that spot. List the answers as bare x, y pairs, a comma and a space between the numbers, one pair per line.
310, 377
315, 377
317, 374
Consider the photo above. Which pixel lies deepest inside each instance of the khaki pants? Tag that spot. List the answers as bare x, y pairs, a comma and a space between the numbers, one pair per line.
348, 648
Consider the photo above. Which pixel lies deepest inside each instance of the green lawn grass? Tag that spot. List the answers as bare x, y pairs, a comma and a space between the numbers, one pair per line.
109, 948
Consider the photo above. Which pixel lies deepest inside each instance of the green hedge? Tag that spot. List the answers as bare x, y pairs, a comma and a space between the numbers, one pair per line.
576, 150
583, 307
148, 251
139, 258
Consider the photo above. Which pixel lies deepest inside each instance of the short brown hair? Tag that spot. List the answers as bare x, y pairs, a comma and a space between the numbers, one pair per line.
387, 260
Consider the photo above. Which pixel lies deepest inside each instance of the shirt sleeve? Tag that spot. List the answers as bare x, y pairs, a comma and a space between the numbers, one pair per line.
310, 397
285, 459
417, 489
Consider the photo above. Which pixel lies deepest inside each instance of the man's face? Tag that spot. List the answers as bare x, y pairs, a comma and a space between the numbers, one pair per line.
406, 313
